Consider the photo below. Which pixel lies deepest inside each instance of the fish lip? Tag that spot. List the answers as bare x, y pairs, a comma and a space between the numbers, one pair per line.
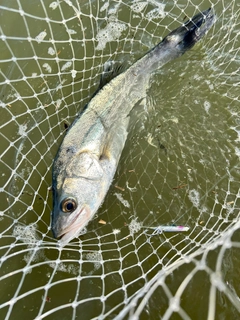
68, 233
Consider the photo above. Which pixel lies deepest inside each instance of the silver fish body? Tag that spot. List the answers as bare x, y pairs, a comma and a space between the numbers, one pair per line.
87, 159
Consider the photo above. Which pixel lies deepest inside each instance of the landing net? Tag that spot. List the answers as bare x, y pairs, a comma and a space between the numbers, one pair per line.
180, 165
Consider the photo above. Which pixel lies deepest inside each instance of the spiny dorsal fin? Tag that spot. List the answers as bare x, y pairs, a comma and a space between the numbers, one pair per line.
111, 69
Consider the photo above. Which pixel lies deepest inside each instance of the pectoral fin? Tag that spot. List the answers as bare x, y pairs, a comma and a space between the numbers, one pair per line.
115, 140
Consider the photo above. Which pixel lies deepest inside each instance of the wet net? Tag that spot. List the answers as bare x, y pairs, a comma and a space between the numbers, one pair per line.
180, 165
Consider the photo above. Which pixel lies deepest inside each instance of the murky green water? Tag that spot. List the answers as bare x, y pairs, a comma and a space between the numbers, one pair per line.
180, 164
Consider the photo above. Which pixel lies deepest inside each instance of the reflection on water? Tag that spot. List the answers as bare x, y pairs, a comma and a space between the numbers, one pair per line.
180, 165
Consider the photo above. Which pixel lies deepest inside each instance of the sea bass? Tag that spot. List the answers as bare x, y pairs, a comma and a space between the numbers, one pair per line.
87, 159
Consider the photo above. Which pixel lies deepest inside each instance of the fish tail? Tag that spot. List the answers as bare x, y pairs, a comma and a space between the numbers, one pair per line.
177, 42
193, 30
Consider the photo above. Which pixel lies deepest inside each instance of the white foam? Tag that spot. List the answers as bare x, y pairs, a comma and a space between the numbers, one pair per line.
22, 130
113, 10
27, 234
116, 231
207, 105
104, 7
95, 257
194, 197
74, 73
157, 12
63, 267
139, 6
111, 32
41, 36
134, 226
120, 198
51, 51
66, 66
47, 67
58, 104
71, 31
53, 5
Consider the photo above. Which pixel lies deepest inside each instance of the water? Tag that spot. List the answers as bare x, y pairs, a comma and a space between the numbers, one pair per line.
180, 164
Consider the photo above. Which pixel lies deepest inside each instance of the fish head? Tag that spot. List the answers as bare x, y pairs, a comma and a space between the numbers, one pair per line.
78, 191
185, 37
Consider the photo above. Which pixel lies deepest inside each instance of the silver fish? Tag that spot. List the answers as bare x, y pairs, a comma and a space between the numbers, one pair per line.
87, 159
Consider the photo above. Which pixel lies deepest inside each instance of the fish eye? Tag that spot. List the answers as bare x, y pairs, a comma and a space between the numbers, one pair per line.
68, 205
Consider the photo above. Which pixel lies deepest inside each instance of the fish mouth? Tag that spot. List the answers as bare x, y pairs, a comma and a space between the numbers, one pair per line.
75, 227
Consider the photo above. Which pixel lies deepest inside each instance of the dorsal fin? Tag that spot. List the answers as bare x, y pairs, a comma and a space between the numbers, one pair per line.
111, 69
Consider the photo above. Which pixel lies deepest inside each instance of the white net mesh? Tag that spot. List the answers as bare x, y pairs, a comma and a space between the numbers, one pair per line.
180, 165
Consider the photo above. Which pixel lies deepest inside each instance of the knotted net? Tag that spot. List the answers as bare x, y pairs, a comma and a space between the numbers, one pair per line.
180, 165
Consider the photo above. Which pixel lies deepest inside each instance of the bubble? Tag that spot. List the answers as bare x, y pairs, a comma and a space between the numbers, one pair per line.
157, 12
54, 5
116, 231
194, 197
111, 32
47, 67
120, 198
134, 226
139, 6
95, 257
104, 7
207, 106
51, 51
66, 66
41, 36
71, 31
22, 129
26, 234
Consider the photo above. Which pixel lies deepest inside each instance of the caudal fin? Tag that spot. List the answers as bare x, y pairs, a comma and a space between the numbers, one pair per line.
193, 30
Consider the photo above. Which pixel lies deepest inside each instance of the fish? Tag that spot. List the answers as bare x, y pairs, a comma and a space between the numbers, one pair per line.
88, 156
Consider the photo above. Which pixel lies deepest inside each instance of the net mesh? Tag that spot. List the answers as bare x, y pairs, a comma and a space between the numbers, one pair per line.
180, 165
